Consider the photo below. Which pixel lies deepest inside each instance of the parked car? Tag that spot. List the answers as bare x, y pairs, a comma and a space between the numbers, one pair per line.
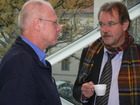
61, 84
64, 88
65, 92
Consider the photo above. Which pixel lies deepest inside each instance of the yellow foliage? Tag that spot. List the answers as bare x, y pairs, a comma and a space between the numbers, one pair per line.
9, 10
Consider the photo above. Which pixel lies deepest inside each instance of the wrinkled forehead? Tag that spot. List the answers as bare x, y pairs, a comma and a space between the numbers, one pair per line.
113, 13
108, 17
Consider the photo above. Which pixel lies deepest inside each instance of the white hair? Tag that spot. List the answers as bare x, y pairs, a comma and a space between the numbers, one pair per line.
31, 8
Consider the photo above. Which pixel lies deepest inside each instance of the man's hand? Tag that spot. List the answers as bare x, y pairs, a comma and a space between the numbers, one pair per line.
87, 90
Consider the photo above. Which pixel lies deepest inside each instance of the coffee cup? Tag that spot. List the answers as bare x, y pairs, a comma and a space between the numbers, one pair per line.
100, 89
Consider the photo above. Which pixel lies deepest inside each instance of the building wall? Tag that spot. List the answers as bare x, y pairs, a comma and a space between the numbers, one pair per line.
70, 75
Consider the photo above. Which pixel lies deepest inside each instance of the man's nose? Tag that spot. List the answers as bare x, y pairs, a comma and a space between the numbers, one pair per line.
105, 28
59, 28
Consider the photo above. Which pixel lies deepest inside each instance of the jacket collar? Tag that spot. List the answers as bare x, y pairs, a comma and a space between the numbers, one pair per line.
28, 49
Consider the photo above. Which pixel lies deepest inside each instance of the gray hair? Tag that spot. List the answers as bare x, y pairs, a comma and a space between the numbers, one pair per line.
29, 10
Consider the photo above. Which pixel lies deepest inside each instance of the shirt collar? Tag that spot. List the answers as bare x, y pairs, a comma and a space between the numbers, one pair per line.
105, 51
120, 53
41, 54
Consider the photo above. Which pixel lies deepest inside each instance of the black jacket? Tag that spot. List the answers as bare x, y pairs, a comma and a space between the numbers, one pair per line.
93, 76
24, 79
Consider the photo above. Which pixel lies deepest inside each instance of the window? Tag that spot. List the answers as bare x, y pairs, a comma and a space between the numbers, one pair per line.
66, 64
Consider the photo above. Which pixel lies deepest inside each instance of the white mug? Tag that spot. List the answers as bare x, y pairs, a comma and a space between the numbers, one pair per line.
100, 89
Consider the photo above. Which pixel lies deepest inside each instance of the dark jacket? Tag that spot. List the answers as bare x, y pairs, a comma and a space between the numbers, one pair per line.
93, 76
24, 79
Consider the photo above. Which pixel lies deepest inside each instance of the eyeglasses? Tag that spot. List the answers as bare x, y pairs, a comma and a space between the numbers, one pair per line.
110, 24
56, 22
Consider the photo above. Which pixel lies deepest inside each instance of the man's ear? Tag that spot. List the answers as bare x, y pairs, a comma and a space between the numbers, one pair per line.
125, 25
36, 24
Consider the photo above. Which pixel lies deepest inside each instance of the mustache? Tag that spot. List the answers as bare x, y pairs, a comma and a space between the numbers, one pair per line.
106, 34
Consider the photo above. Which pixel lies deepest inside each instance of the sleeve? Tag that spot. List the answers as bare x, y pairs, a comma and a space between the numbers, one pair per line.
18, 87
77, 86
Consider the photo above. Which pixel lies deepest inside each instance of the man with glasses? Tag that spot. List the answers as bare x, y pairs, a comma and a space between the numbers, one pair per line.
124, 85
25, 75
